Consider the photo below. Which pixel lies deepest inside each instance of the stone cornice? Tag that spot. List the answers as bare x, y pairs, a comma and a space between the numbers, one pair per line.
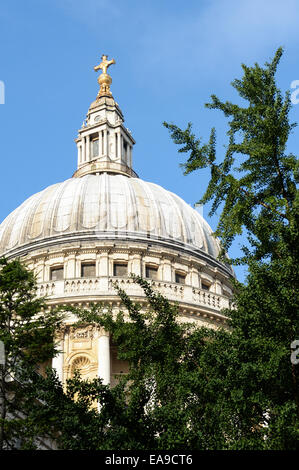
198, 258
187, 310
95, 126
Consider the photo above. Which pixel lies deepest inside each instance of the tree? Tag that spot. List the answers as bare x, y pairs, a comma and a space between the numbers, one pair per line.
27, 335
195, 388
264, 199
145, 410
161, 404
255, 188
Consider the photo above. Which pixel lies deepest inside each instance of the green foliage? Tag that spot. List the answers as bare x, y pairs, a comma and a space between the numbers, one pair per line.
194, 388
255, 183
27, 333
187, 388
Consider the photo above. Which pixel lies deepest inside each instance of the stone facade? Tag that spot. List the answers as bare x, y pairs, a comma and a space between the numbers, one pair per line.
203, 291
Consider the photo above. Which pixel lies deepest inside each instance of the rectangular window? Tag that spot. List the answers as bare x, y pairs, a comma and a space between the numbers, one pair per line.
88, 270
151, 272
180, 278
120, 269
205, 286
95, 147
125, 148
56, 274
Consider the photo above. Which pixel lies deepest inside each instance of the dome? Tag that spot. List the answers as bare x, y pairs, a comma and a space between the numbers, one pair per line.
105, 206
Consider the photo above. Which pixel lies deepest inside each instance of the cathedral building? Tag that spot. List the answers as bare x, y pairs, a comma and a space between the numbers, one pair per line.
82, 235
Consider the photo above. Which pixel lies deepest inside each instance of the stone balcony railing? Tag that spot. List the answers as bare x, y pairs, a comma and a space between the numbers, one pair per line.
99, 288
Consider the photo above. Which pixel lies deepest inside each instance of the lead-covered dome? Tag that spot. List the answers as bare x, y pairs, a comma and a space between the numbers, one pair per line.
105, 206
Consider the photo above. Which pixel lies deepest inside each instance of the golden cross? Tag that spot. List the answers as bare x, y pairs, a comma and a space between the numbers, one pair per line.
104, 64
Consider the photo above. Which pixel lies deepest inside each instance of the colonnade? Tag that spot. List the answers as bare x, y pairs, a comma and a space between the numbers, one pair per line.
104, 139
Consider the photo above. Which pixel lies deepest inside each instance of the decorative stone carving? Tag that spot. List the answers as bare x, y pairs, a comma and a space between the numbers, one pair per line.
82, 363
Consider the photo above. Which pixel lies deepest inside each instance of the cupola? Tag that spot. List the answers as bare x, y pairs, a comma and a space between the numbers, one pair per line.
104, 144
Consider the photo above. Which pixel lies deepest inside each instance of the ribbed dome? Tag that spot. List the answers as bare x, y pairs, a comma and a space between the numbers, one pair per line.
105, 207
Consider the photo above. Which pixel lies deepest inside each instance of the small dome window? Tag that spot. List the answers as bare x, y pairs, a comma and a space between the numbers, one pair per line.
180, 278
95, 147
205, 286
151, 272
88, 270
56, 273
120, 269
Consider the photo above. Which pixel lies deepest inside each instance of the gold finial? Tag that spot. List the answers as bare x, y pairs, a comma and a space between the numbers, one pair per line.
104, 79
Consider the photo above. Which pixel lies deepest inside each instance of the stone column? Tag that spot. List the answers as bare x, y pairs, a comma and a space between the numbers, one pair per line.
194, 277
77, 268
83, 159
105, 142
102, 259
39, 269
130, 157
100, 144
71, 266
119, 151
87, 148
218, 286
103, 270
79, 153
57, 361
136, 264
167, 271
104, 357
199, 278
108, 143
115, 145
47, 273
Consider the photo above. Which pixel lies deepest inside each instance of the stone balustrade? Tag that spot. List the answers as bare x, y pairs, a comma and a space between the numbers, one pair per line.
101, 287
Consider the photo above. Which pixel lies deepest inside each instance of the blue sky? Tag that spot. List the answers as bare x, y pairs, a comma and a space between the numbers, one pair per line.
170, 57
